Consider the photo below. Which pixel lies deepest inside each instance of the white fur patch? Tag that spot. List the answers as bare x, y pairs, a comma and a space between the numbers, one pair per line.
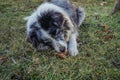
30, 20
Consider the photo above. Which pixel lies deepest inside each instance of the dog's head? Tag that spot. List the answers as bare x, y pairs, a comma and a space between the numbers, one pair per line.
50, 28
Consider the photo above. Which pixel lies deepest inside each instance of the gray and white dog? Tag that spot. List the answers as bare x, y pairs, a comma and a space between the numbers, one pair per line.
54, 24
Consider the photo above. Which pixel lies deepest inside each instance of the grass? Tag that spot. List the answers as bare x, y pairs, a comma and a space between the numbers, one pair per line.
99, 53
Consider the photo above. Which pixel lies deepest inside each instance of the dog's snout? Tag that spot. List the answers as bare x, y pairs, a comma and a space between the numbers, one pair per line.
62, 49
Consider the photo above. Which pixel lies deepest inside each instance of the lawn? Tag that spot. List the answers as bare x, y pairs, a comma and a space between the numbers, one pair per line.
99, 49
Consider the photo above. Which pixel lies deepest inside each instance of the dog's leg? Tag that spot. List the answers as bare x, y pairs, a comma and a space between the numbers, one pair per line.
72, 46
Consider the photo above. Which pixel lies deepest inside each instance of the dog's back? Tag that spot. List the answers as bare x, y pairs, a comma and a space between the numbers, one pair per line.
65, 4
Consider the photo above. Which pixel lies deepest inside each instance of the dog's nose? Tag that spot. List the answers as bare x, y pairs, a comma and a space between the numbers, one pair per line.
62, 49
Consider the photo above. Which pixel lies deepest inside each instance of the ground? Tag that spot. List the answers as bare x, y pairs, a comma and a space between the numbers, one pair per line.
99, 49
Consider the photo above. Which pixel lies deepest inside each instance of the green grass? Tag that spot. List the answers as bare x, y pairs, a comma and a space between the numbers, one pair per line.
98, 59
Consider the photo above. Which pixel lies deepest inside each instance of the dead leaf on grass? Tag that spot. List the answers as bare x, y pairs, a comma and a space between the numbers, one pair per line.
118, 49
62, 55
98, 32
107, 28
103, 3
106, 38
2, 59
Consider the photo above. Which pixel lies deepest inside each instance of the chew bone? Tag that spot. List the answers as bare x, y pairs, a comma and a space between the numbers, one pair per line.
62, 55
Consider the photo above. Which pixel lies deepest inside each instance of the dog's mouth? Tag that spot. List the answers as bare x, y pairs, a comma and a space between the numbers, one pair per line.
60, 46
57, 46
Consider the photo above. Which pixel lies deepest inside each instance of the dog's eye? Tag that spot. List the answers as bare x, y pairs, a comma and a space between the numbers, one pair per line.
53, 31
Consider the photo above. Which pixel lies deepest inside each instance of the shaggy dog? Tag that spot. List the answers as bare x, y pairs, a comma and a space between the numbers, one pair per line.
55, 24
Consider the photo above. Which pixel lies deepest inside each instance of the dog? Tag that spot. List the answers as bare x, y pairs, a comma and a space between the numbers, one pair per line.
54, 24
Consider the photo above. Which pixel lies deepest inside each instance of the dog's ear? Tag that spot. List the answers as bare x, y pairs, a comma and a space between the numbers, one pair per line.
80, 15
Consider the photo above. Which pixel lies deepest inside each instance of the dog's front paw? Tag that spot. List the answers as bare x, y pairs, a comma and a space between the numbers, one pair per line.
73, 51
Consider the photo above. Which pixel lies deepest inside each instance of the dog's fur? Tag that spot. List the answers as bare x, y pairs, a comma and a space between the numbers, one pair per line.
54, 24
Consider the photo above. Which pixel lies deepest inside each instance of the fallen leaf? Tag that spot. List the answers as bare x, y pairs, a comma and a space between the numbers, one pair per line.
103, 3
107, 28
118, 49
105, 42
106, 38
62, 55
98, 32
2, 59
